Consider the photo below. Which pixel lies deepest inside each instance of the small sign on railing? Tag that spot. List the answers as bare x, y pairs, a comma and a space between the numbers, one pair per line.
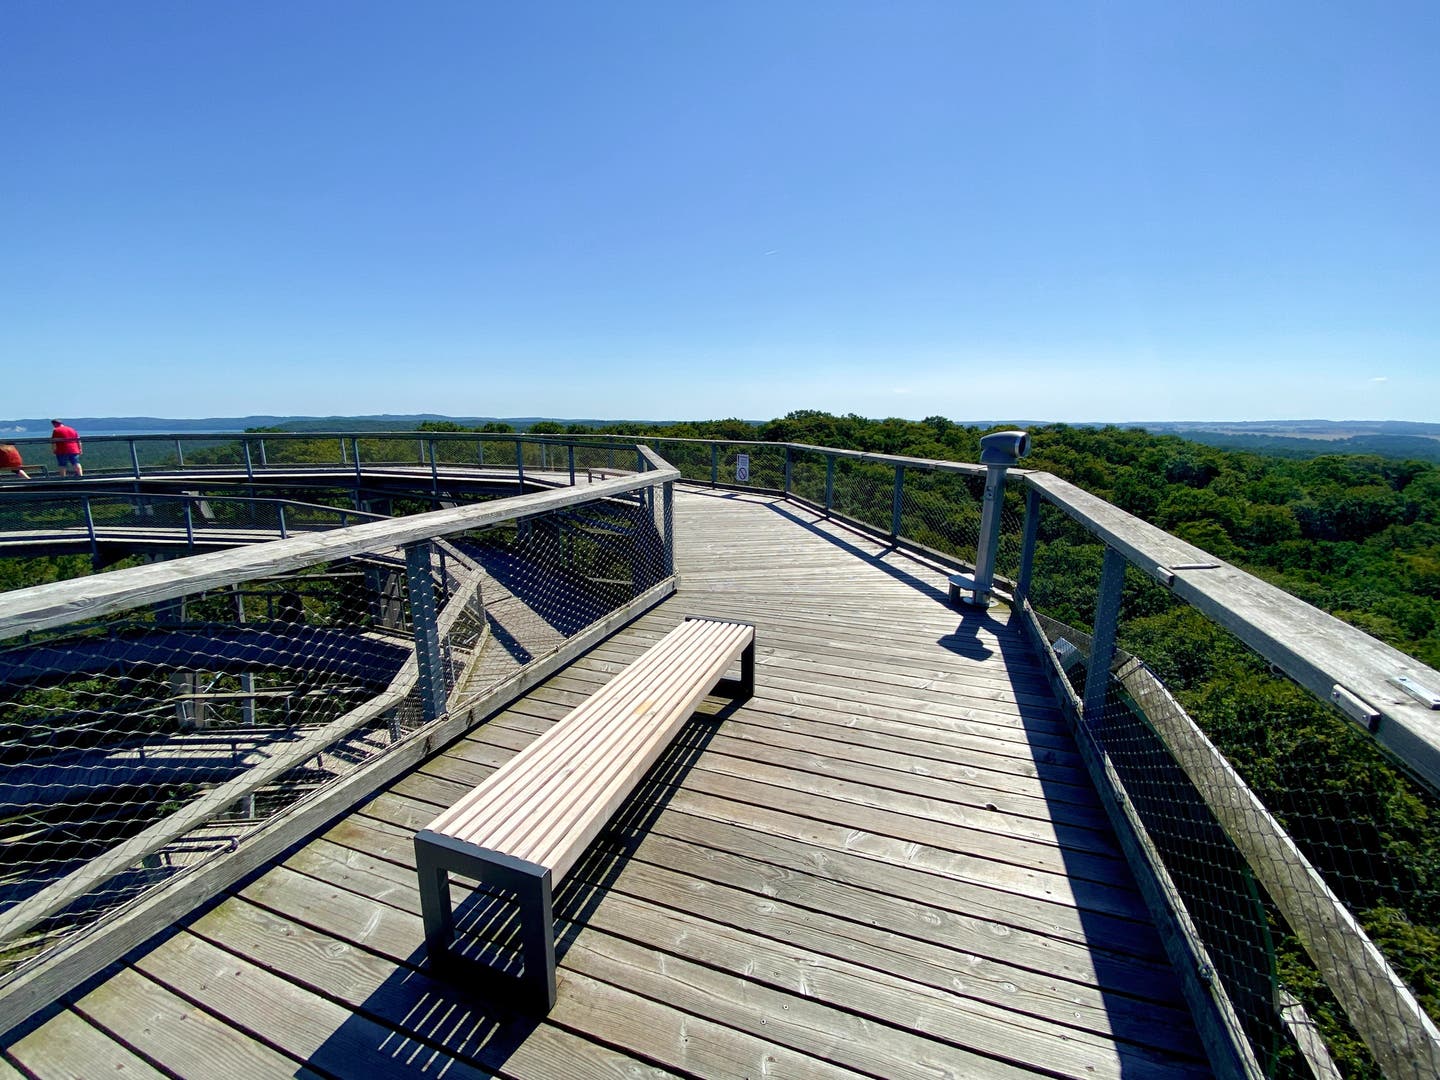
742, 468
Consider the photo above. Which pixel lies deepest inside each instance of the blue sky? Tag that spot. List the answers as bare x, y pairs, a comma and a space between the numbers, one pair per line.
1057, 211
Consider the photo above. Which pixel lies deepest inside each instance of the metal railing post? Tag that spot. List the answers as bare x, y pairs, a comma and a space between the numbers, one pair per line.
179, 454
896, 501
571, 455
280, 510
434, 471
1102, 641
189, 527
829, 483
788, 465
714, 464
668, 511
90, 528
520, 464
424, 622
249, 465
264, 461
135, 459
1027, 546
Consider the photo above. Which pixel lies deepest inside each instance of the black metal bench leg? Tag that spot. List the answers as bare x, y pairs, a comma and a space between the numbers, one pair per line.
436, 856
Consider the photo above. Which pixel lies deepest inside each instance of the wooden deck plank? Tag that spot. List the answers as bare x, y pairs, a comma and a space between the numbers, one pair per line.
53, 1054
721, 938
888, 862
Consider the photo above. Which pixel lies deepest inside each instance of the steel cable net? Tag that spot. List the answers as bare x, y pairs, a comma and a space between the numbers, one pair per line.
135, 746
1366, 834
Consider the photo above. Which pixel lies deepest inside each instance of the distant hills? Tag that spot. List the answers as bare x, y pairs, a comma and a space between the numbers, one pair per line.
1285, 438
1311, 438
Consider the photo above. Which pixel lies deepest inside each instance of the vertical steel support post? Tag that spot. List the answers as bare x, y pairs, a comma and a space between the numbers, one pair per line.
571, 457
896, 501
90, 530
135, 459
249, 465
264, 461
788, 466
1102, 642
668, 525
989, 539
1027, 546
714, 464
424, 621
829, 483
280, 512
247, 680
520, 464
179, 454
434, 470
189, 528
344, 457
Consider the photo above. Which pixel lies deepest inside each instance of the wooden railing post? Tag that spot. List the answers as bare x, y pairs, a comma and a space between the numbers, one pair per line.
1102, 640
424, 622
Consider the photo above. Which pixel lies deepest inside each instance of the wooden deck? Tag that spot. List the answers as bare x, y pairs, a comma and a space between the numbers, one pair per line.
888, 862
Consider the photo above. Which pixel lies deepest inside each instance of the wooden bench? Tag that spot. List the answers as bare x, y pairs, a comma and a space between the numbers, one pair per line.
525, 827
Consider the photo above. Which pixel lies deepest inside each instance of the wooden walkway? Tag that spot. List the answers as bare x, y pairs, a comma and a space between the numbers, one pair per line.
889, 862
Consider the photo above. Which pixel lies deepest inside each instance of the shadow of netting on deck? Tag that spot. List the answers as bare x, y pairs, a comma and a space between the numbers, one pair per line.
1366, 828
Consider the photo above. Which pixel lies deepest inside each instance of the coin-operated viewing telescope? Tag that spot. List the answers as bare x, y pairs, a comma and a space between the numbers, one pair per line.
998, 451
1004, 447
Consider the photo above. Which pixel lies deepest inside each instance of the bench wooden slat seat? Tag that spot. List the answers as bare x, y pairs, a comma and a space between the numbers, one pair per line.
526, 826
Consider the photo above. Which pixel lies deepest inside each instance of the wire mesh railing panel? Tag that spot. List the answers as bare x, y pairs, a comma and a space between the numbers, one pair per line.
27, 514
115, 727
865, 491
382, 450
546, 579
600, 460
1271, 812
693, 459
453, 451
807, 475
941, 510
136, 745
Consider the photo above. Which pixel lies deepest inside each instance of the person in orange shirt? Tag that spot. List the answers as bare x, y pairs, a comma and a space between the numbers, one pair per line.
65, 441
10, 459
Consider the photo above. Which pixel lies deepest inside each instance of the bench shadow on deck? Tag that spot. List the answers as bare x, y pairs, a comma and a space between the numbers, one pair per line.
888, 862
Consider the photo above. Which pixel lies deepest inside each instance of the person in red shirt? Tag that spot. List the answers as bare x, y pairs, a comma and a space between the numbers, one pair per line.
10, 459
65, 441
